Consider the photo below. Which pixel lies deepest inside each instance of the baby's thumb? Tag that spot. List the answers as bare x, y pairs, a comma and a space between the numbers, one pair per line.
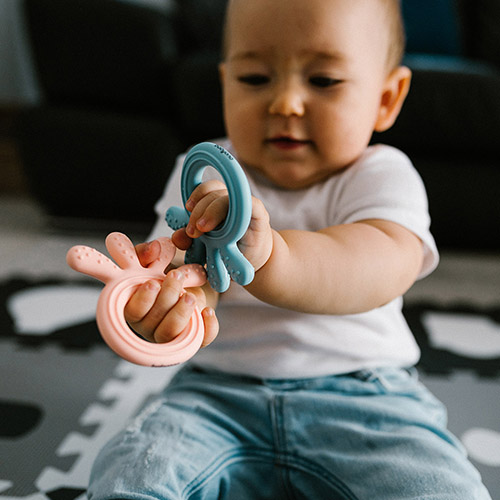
181, 240
148, 252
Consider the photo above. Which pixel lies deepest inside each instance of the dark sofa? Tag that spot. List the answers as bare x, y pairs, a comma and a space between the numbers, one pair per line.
127, 87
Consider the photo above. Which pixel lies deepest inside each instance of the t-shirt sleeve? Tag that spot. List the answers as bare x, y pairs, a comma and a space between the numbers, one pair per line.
386, 186
171, 197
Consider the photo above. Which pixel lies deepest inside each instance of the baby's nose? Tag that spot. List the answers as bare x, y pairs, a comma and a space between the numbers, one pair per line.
288, 101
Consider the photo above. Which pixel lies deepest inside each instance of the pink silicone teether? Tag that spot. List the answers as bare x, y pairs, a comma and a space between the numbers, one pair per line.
121, 281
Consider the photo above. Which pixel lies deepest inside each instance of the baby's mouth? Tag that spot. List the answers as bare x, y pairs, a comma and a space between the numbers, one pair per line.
288, 143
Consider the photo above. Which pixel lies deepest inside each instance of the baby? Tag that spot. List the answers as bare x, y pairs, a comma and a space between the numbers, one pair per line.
308, 391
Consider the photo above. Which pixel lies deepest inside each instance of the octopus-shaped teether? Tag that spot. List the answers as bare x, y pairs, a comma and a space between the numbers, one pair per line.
217, 249
121, 280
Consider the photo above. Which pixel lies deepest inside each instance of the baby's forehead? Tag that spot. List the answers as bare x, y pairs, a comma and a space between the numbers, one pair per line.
274, 15
249, 22
255, 22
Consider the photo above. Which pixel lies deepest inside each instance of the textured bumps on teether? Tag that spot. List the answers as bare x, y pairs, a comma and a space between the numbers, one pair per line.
177, 218
122, 279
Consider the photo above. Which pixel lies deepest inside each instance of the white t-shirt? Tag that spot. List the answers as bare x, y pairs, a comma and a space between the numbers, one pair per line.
260, 340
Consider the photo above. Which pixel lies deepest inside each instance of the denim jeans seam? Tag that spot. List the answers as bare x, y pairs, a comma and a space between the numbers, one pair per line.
289, 460
292, 461
229, 457
279, 442
286, 461
276, 418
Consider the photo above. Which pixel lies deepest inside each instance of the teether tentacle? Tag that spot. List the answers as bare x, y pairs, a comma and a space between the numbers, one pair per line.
238, 267
196, 253
216, 272
177, 217
91, 262
122, 250
195, 275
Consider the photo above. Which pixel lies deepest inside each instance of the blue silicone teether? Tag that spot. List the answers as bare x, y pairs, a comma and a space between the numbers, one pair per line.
217, 249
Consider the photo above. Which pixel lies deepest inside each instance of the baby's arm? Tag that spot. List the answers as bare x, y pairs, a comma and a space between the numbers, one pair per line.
160, 311
342, 269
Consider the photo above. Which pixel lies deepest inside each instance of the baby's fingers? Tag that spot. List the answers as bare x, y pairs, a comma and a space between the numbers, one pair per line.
201, 191
176, 320
211, 326
208, 205
209, 213
141, 302
181, 240
151, 303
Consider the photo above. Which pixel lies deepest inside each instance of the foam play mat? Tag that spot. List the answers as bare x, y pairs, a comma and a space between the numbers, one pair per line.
63, 393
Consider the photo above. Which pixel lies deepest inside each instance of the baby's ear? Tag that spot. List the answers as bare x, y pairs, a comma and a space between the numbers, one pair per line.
393, 96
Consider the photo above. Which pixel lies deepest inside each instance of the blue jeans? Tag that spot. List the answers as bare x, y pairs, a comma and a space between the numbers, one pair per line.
368, 435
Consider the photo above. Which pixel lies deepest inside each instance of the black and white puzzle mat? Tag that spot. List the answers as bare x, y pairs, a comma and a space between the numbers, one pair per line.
63, 393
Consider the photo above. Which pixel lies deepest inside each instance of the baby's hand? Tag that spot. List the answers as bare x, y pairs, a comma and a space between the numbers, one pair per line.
159, 311
208, 205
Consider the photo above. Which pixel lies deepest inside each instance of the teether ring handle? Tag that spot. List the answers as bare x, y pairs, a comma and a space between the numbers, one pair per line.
218, 248
120, 283
119, 337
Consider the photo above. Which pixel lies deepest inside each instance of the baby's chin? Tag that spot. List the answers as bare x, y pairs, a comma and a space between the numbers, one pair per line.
293, 178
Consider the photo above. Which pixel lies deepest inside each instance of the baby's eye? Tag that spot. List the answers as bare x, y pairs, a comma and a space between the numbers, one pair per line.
254, 80
323, 81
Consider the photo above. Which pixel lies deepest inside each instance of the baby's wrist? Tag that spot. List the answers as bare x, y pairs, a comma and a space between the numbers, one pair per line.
265, 253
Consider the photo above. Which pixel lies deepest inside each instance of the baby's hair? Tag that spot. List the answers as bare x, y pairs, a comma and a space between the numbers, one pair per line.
397, 37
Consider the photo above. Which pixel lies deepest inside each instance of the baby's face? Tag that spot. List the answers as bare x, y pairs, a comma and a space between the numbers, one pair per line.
303, 83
